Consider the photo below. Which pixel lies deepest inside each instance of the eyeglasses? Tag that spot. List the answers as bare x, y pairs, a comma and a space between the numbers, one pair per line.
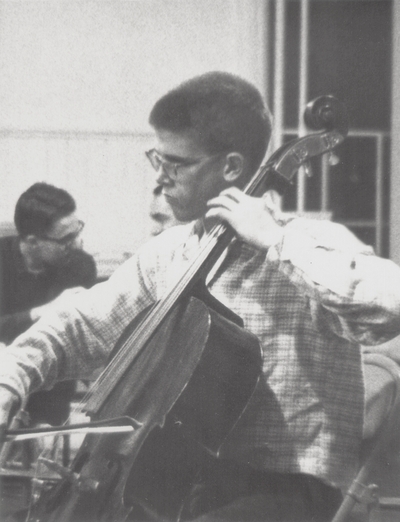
170, 168
68, 239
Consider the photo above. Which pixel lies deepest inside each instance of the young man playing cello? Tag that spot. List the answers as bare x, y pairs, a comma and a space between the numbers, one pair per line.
310, 291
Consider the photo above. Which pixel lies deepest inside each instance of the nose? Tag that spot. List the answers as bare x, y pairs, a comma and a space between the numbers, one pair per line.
162, 177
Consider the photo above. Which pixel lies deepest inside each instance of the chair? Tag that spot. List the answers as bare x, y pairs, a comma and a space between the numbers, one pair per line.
362, 501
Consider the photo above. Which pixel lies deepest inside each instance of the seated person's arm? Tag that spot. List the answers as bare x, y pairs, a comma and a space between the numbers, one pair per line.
12, 325
78, 270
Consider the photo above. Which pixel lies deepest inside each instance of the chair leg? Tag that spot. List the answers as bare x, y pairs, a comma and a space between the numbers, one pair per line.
66, 450
359, 491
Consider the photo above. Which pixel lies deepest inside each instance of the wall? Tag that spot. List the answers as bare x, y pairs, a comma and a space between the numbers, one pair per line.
78, 81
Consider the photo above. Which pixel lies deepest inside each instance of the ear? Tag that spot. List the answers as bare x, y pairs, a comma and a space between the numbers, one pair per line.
234, 168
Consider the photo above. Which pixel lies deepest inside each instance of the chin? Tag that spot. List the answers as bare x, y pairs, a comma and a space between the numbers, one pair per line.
182, 216
186, 218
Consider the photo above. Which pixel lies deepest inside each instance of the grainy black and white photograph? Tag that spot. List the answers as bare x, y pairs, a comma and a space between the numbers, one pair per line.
199, 261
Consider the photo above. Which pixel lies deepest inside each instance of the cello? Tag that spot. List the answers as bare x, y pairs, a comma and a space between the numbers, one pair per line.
181, 376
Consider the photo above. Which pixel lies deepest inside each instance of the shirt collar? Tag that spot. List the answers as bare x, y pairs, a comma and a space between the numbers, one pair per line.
17, 256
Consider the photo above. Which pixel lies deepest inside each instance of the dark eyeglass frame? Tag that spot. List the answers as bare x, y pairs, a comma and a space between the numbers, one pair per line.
170, 167
68, 239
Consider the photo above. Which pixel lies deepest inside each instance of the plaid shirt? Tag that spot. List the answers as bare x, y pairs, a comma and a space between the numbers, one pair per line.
310, 300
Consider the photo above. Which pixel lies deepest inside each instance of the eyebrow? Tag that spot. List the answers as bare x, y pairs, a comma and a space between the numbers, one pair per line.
172, 158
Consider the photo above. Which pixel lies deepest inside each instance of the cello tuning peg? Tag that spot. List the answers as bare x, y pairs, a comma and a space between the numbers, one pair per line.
333, 159
307, 169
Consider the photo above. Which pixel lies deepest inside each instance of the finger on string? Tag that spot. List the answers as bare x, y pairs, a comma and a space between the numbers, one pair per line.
219, 213
233, 193
222, 203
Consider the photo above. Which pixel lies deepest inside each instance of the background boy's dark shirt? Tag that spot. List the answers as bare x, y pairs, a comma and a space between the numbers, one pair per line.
20, 291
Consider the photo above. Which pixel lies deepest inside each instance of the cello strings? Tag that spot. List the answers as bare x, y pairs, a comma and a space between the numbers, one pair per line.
157, 313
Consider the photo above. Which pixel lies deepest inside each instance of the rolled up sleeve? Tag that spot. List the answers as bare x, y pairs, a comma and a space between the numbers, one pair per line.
353, 292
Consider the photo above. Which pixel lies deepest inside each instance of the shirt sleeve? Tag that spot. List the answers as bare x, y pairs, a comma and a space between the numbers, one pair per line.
351, 291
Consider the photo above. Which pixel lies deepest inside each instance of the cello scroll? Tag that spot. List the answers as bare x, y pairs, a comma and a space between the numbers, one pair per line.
324, 112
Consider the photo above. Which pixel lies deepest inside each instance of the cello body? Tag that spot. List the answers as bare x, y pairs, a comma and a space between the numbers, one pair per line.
187, 390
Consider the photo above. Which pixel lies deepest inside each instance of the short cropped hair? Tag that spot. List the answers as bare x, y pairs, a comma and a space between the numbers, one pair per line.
39, 207
225, 112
